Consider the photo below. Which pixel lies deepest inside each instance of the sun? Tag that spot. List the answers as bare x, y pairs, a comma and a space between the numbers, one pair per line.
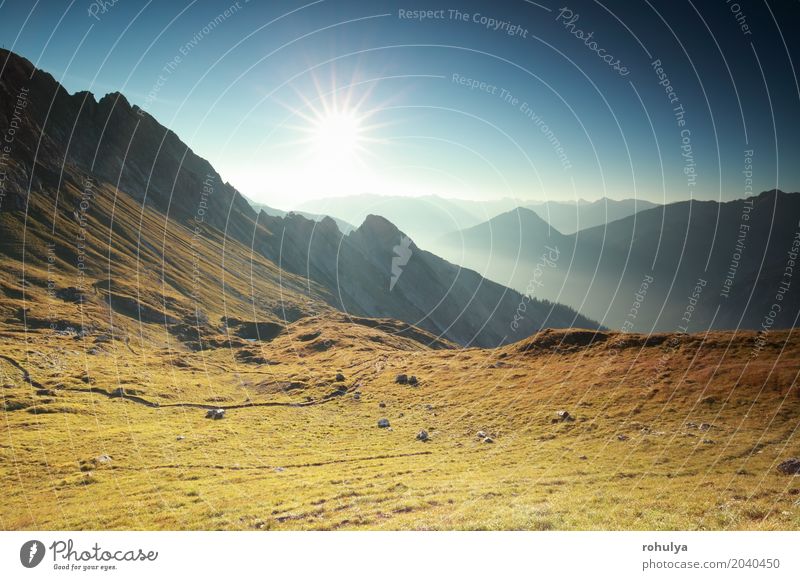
335, 127
338, 138
335, 146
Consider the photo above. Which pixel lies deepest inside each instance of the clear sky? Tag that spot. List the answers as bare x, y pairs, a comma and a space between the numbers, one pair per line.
478, 100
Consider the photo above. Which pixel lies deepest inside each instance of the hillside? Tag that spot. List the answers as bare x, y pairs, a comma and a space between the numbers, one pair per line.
668, 432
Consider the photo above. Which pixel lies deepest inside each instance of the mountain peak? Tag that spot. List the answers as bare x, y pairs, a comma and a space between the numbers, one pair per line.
770, 193
520, 215
116, 98
376, 225
328, 224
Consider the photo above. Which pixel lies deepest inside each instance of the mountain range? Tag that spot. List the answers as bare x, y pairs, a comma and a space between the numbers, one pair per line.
131, 212
690, 264
122, 199
427, 218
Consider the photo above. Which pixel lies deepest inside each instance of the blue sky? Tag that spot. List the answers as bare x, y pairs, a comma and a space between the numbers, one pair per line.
298, 100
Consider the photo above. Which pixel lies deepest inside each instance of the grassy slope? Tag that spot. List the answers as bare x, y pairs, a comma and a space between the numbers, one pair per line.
163, 266
324, 464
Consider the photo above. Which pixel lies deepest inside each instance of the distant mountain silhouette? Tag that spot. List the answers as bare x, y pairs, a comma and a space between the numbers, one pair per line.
505, 247
741, 260
568, 218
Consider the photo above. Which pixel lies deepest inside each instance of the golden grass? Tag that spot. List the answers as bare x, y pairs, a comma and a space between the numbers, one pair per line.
300, 458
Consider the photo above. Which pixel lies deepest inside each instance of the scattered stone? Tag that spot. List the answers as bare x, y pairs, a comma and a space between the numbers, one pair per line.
339, 377
691, 425
488, 440
481, 435
705, 426
583, 458
623, 437
180, 438
422, 436
708, 441
309, 336
70, 294
248, 356
790, 466
339, 392
100, 459
382, 405
279, 469
357, 396
46, 392
118, 392
412, 380
429, 407
401, 379
383, 423
565, 417
215, 414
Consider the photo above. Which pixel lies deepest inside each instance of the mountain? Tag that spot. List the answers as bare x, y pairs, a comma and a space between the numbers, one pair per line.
692, 264
376, 270
143, 227
568, 218
506, 249
97, 241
